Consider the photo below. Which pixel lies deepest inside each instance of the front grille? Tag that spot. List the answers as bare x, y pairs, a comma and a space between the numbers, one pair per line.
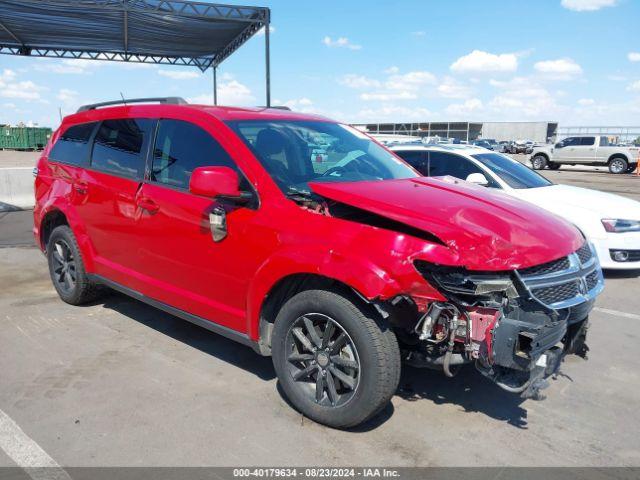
592, 280
557, 293
584, 253
546, 268
565, 282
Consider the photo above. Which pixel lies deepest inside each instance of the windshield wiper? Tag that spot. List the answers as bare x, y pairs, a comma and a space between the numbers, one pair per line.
293, 192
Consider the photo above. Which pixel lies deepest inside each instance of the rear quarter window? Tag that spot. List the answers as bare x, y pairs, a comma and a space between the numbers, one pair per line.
72, 146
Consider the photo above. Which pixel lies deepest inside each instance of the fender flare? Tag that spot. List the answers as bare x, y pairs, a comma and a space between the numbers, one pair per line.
366, 278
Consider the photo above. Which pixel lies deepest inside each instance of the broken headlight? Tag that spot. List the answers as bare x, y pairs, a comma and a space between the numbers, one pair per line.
460, 282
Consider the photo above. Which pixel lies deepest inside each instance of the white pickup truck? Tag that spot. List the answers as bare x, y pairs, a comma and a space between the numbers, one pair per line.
585, 150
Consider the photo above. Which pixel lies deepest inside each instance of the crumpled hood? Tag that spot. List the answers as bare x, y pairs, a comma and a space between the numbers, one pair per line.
556, 198
486, 230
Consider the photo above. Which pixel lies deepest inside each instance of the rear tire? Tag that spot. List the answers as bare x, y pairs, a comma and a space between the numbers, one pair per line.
67, 268
337, 363
618, 165
538, 162
554, 166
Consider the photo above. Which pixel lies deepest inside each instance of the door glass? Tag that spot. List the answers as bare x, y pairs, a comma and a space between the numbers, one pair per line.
180, 147
441, 164
587, 141
73, 145
415, 158
120, 145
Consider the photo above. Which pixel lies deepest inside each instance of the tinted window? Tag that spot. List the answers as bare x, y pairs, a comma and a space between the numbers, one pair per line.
441, 164
73, 145
512, 172
571, 141
119, 146
415, 158
180, 147
588, 141
604, 142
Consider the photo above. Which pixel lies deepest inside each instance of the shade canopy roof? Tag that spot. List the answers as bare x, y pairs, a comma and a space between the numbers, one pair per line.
145, 31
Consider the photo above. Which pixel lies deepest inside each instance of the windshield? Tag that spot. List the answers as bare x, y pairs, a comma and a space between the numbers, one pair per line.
298, 152
512, 172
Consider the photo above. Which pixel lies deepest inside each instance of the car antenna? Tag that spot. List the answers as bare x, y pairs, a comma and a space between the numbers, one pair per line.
123, 100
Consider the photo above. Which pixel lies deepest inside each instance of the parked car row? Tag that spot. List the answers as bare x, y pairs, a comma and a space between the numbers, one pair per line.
518, 146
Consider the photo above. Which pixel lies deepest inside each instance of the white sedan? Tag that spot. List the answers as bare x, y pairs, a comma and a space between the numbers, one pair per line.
610, 222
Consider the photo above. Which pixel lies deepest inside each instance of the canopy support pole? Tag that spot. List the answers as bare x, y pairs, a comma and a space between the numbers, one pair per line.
267, 27
215, 85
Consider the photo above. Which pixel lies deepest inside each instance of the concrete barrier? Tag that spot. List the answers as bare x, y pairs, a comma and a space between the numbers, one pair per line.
16, 188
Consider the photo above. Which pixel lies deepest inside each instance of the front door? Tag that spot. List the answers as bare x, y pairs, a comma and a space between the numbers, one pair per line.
183, 265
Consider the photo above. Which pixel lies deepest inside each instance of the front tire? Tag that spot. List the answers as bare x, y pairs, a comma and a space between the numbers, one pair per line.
538, 162
336, 362
618, 165
67, 268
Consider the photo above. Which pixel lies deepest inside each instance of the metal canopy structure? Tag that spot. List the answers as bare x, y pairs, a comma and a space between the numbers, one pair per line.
175, 32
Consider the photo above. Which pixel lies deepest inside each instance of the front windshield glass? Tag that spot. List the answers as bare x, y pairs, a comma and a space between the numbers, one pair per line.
298, 152
512, 172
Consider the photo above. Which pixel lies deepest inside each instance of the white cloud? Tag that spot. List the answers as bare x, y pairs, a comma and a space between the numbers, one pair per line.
523, 97
272, 30
451, 88
387, 96
410, 80
585, 102
23, 89
392, 70
66, 95
230, 92
392, 113
465, 109
634, 56
617, 78
634, 87
560, 69
587, 5
180, 74
358, 81
341, 42
479, 61
419, 33
72, 66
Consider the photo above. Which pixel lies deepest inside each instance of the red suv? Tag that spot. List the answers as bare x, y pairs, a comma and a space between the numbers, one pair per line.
312, 243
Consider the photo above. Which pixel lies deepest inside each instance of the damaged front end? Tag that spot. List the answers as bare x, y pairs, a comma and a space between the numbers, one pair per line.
515, 326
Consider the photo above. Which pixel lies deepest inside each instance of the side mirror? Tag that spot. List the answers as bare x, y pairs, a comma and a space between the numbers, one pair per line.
559, 145
478, 179
215, 182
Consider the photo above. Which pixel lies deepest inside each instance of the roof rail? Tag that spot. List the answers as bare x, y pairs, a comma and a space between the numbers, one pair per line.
166, 100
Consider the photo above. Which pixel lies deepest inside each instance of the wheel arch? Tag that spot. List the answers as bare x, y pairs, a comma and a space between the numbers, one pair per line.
58, 213
618, 155
281, 278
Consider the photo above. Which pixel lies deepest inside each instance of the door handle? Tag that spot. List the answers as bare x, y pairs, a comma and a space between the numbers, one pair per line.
148, 205
81, 187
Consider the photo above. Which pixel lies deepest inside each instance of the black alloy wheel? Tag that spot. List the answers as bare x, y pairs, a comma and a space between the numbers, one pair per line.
322, 359
64, 266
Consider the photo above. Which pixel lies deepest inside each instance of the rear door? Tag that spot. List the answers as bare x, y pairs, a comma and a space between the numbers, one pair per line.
183, 266
107, 196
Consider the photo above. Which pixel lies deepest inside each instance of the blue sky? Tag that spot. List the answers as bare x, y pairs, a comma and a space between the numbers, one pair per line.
575, 61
